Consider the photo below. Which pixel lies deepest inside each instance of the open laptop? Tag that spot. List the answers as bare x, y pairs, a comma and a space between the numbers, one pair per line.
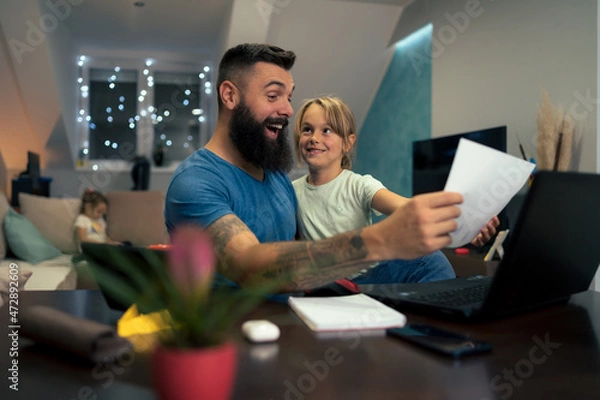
552, 252
109, 259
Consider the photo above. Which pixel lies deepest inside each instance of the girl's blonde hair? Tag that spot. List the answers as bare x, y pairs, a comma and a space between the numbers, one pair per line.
340, 118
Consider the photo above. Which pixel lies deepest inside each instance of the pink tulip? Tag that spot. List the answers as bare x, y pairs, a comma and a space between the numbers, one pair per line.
192, 259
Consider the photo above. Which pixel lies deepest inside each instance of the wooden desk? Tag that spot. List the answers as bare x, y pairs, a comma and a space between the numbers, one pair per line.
551, 354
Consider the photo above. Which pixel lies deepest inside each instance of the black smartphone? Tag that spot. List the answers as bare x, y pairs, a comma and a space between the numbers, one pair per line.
442, 341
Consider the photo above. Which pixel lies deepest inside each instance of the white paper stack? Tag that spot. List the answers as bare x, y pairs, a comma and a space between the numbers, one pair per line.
357, 311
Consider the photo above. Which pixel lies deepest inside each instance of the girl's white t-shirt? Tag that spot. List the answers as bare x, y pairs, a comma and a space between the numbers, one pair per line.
95, 228
340, 205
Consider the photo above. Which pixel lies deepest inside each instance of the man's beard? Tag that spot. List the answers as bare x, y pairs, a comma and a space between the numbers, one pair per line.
249, 138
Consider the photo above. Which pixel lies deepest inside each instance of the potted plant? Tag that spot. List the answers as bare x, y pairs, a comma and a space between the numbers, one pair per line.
195, 357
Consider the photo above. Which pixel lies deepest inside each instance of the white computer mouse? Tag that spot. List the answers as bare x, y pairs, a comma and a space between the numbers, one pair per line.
260, 331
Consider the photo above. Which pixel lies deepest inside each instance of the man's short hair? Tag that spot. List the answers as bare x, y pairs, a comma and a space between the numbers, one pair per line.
240, 59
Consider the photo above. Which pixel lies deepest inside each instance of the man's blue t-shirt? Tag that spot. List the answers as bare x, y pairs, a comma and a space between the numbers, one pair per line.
205, 187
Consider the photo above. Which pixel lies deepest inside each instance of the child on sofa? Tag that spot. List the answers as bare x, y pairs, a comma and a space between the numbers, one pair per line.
90, 225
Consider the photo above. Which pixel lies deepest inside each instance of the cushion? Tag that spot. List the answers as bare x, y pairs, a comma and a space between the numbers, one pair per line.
54, 218
4, 206
136, 217
25, 241
6, 287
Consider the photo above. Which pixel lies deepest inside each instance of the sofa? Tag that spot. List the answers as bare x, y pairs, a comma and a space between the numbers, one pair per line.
37, 242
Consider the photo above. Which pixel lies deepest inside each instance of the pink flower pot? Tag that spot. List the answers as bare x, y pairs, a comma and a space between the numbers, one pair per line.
206, 373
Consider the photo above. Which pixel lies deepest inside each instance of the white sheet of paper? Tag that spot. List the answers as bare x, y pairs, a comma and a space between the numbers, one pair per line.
487, 179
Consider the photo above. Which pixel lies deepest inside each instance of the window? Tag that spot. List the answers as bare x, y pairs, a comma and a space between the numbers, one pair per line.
112, 111
178, 113
141, 107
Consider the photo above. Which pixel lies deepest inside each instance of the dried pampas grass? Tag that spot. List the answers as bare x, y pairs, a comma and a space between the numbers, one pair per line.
545, 133
554, 136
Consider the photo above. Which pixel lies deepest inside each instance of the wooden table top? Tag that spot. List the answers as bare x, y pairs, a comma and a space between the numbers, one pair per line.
551, 353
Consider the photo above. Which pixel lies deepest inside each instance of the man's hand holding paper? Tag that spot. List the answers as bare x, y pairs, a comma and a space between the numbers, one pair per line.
487, 179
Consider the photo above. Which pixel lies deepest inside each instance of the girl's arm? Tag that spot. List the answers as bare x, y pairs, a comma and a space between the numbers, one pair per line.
82, 235
110, 241
386, 201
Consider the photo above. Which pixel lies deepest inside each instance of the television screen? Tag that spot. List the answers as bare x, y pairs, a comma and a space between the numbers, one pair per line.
432, 158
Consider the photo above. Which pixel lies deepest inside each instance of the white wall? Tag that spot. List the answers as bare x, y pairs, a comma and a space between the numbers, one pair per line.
341, 48
32, 106
491, 69
15, 127
596, 283
61, 148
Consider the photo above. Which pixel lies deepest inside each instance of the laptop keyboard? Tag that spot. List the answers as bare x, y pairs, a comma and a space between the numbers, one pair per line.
456, 297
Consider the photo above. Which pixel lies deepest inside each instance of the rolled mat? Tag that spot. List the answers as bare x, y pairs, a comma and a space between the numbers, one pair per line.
91, 340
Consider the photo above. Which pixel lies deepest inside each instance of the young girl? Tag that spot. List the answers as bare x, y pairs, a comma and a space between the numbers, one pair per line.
333, 199
89, 224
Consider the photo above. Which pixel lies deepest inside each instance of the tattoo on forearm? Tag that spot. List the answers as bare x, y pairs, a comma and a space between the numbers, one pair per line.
313, 263
301, 264
222, 231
